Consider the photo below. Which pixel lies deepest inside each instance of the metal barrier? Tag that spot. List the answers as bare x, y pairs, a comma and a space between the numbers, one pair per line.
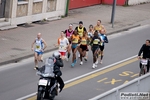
140, 84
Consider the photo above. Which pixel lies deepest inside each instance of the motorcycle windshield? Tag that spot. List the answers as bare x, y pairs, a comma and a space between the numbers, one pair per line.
49, 65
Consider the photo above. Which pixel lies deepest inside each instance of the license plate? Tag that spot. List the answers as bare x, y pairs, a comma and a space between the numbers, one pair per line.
43, 82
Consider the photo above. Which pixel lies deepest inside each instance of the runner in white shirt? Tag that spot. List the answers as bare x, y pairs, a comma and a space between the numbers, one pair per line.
40, 46
63, 44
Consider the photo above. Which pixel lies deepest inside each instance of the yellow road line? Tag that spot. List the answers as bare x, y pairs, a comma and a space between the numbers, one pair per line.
135, 75
126, 82
102, 80
32, 98
113, 81
94, 75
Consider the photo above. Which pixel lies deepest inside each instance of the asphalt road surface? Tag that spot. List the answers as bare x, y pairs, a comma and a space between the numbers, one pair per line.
19, 80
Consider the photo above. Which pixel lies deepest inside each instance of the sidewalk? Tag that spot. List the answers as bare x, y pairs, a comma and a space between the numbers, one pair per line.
16, 43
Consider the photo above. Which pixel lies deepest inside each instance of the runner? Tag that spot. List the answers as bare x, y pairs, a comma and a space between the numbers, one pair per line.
104, 40
63, 45
80, 29
75, 41
99, 27
90, 35
40, 46
91, 31
69, 33
95, 48
83, 46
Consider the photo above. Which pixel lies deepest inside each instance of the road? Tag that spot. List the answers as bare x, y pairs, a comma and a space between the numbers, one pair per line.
19, 79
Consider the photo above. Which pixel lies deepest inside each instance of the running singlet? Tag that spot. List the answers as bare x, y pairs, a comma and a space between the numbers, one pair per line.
96, 41
103, 38
90, 35
75, 39
80, 31
39, 45
98, 28
63, 44
69, 34
83, 41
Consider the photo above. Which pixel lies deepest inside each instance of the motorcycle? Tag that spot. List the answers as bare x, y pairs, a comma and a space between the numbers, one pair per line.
47, 86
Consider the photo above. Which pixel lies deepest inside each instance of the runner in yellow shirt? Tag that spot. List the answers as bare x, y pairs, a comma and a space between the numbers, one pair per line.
80, 29
83, 46
75, 41
99, 27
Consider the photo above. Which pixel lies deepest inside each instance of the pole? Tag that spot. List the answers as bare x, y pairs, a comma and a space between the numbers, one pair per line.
67, 8
113, 12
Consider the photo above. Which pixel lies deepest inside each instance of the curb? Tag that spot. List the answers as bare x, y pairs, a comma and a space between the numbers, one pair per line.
16, 60
123, 29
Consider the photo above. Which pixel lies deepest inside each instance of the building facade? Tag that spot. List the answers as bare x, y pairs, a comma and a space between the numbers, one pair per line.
14, 12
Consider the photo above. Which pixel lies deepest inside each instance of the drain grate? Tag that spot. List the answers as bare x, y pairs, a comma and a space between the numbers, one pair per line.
41, 22
26, 25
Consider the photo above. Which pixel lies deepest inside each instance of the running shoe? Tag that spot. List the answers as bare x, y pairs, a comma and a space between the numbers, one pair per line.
42, 59
81, 63
36, 67
93, 66
96, 62
72, 65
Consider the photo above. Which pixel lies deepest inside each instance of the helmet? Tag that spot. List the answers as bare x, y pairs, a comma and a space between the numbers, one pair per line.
56, 55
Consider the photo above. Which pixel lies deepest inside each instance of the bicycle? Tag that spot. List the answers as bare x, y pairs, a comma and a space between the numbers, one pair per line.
144, 63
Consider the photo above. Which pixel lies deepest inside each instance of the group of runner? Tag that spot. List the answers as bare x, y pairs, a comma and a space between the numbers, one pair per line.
76, 40
80, 40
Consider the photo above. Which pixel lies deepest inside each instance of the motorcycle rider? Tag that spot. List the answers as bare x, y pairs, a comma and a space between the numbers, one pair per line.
57, 62
57, 65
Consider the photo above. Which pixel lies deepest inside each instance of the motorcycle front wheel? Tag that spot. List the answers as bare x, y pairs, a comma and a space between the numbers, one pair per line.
54, 93
40, 95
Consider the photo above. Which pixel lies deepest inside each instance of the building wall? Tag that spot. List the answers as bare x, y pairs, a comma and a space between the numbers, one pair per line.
119, 2
27, 11
82, 3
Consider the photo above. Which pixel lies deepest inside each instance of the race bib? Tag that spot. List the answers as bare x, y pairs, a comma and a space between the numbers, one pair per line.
95, 42
37, 47
83, 42
62, 47
75, 41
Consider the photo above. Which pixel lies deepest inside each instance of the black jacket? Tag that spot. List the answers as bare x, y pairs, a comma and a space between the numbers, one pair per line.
57, 65
145, 50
